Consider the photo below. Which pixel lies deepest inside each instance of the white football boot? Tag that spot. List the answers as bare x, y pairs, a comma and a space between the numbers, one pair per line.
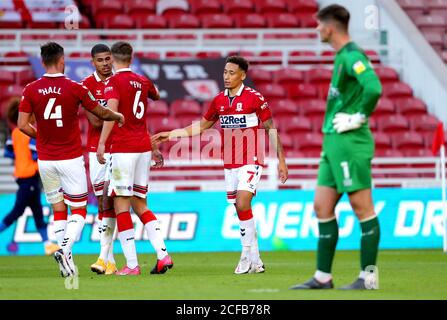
243, 266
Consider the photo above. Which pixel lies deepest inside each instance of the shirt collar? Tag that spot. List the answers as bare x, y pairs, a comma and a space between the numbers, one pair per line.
123, 69
53, 75
239, 92
98, 79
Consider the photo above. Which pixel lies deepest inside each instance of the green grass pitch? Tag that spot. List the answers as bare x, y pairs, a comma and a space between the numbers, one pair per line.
415, 274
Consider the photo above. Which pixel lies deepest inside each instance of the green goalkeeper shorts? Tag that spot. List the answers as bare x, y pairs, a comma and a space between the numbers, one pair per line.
345, 162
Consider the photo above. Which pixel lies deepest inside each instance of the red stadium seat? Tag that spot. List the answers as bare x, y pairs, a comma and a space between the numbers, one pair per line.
382, 140
313, 109
411, 107
373, 56
295, 125
179, 55
418, 153
414, 8
287, 142
272, 91
408, 141
394, 124
372, 122
148, 55
199, 7
217, 20
438, 8
184, 21
301, 6
11, 91
141, 6
249, 20
185, 107
173, 8
6, 77
397, 90
150, 21
388, 153
310, 143
431, 23
424, 123
165, 124
384, 107
282, 20
306, 20
286, 76
270, 6
208, 54
387, 74
79, 55
328, 56
303, 57
436, 40
24, 77
105, 8
238, 6
120, 21
319, 76
302, 91
260, 75
283, 107
158, 108
270, 57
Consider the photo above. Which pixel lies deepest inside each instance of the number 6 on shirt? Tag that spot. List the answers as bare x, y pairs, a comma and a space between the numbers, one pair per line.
138, 104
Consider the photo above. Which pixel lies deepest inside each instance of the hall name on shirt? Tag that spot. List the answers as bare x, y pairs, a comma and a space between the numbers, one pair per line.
50, 90
135, 84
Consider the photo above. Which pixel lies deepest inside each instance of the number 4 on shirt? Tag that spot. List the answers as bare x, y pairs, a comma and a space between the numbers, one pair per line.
57, 114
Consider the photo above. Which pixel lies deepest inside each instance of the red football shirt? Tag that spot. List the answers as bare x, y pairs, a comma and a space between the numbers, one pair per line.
242, 141
54, 99
132, 91
96, 86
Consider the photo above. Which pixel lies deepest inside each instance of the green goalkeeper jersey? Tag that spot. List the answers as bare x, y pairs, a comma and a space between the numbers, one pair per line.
354, 88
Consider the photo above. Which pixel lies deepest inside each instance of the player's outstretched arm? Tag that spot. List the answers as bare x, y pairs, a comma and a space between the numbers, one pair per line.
276, 141
107, 114
196, 128
24, 124
94, 120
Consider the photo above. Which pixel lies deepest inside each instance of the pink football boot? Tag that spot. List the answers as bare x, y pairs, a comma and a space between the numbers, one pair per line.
126, 271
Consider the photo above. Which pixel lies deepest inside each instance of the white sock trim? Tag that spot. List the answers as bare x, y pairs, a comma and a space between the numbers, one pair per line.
369, 218
327, 220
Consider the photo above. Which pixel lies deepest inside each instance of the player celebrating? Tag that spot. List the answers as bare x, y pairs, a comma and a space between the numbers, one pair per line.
348, 149
240, 109
102, 61
54, 100
131, 148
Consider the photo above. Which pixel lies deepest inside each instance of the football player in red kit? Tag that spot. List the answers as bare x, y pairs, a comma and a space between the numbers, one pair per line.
102, 61
240, 110
54, 100
131, 153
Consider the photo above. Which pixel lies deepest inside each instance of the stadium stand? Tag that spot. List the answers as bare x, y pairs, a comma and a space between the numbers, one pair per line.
295, 81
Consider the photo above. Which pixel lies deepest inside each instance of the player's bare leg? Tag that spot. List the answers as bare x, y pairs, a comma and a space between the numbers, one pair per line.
363, 206
126, 235
324, 205
250, 260
152, 227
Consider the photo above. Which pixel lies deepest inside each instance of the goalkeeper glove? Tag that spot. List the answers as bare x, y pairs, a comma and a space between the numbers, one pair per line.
345, 122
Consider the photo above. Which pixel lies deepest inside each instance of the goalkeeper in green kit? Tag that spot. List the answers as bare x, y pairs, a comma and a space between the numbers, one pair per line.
348, 149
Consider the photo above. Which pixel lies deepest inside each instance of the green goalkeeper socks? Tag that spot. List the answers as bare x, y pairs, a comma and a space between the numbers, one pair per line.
327, 241
369, 243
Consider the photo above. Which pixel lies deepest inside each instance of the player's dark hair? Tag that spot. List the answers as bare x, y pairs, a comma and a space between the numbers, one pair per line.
240, 61
122, 51
99, 48
50, 53
13, 110
336, 13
